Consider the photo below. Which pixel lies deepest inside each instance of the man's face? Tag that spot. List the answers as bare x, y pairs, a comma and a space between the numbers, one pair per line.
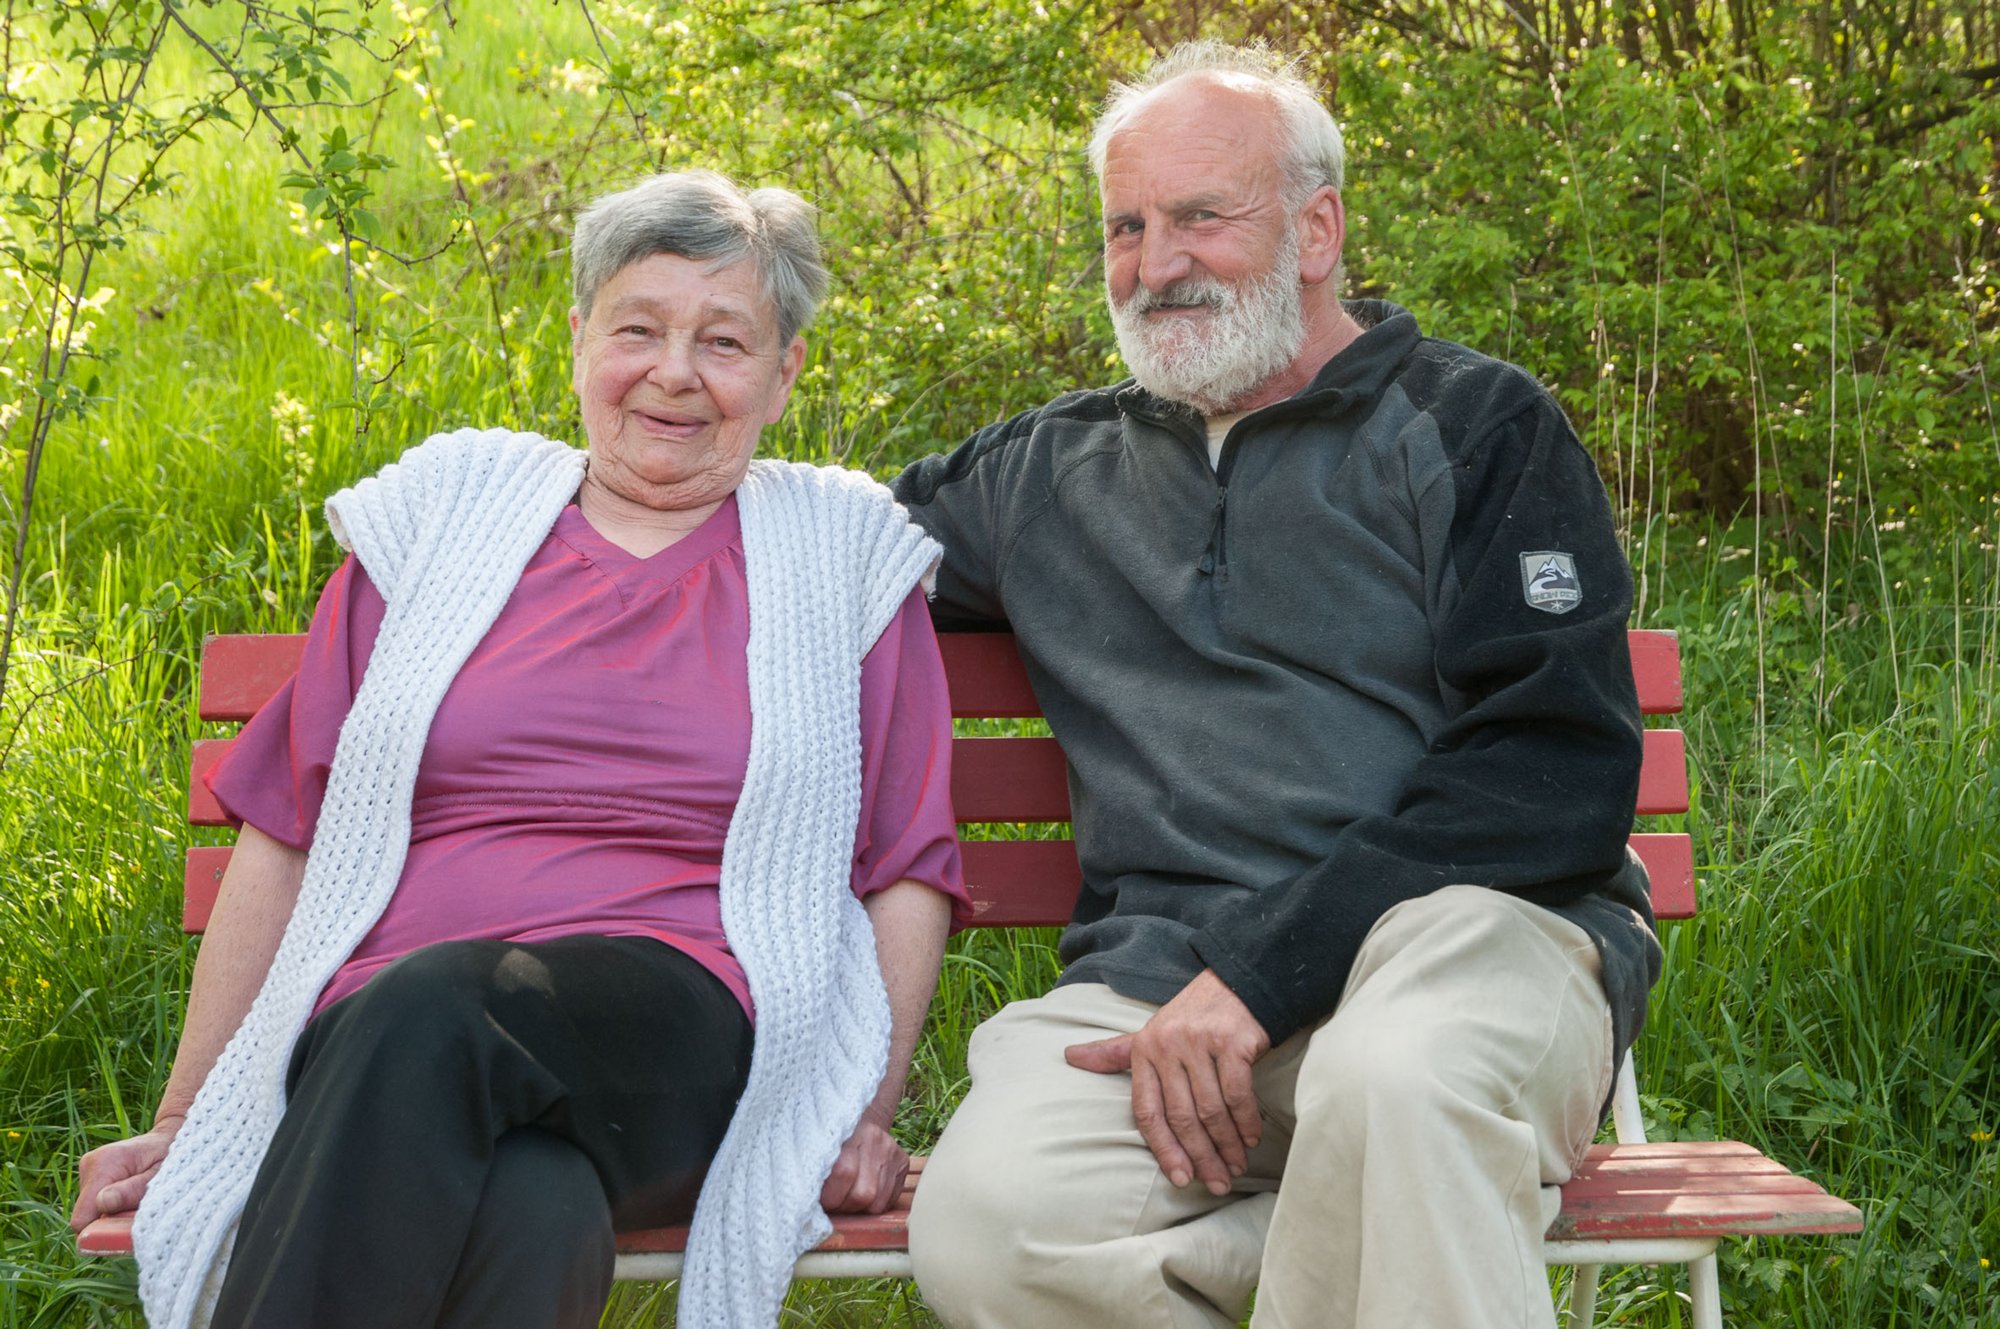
1201, 257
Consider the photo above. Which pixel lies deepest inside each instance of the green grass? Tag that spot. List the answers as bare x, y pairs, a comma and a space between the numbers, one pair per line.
1837, 1003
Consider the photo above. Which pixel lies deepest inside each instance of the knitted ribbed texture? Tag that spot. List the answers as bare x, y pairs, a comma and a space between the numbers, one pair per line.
830, 558
445, 534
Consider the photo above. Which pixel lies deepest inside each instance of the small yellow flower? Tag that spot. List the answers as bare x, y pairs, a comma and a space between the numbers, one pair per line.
13, 1135
44, 982
1977, 1137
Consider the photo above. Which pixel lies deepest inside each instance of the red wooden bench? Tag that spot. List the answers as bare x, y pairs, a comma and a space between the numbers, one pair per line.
1631, 1202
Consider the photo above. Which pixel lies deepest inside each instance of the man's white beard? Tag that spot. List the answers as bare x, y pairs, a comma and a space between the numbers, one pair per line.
1255, 332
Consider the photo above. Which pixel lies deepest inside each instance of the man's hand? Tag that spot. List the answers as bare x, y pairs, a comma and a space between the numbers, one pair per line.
868, 1175
1191, 1093
112, 1177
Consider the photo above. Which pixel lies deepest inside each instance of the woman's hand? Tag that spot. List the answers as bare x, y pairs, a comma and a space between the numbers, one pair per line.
112, 1177
868, 1176
255, 902
910, 920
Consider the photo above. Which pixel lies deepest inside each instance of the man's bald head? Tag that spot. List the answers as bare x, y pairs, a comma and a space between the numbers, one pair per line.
1311, 150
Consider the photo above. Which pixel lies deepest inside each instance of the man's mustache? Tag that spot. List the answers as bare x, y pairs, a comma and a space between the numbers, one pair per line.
1188, 294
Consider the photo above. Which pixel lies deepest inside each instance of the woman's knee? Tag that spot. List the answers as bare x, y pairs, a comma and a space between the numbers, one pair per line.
540, 1247
447, 976
421, 1010
542, 1194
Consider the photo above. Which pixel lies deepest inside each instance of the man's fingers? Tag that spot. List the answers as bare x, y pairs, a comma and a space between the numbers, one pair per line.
1239, 1092
1217, 1118
1184, 1118
1107, 1056
1149, 1111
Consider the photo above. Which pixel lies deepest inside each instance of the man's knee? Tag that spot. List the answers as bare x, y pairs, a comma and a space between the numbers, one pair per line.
1356, 1076
969, 1227
1465, 1000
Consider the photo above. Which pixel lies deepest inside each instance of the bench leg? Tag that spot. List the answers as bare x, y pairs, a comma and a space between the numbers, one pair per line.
1705, 1291
1583, 1296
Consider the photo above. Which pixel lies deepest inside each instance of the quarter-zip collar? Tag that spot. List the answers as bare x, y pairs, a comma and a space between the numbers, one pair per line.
1359, 372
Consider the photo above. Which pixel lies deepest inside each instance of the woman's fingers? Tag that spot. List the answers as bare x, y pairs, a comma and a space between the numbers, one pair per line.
868, 1176
112, 1178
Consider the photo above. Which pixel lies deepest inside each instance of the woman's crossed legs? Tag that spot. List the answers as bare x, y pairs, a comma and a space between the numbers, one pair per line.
465, 1132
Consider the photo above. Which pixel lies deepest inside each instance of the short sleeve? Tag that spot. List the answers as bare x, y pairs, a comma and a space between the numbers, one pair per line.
274, 776
907, 829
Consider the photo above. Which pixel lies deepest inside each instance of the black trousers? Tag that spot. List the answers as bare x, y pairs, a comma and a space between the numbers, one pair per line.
464, 1133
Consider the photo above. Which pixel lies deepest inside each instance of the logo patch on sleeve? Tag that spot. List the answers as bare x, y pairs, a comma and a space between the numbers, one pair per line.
1548, 581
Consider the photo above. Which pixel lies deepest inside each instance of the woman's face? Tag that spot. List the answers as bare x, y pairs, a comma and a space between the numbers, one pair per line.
678, 369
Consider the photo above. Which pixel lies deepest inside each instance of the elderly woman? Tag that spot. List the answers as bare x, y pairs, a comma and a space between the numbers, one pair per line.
596, 762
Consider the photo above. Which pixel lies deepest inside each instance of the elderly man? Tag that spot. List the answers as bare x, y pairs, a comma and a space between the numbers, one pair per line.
1329, 617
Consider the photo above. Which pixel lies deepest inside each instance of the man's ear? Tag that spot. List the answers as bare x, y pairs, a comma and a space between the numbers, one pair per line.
1322, 235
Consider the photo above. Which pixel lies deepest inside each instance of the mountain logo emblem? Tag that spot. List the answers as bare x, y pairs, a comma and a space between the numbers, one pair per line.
1548, 581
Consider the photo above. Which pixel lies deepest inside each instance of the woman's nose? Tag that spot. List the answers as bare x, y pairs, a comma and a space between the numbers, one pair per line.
673, 368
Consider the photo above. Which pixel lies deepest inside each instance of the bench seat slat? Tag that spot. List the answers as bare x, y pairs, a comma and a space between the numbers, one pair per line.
1688, 1188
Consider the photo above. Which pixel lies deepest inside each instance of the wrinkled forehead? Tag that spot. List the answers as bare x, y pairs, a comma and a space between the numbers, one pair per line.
1212, 143
1218, 98
668, 282
1231, 125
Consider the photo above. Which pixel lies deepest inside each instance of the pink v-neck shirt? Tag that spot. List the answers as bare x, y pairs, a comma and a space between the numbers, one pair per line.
580, 774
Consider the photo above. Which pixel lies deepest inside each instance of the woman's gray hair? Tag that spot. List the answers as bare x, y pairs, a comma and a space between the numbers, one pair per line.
704, 216
1314, 153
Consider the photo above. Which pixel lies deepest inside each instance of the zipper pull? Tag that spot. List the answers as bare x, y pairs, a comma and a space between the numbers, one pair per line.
1210, 555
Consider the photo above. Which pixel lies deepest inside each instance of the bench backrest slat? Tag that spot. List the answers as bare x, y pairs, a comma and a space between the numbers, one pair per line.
1016, 782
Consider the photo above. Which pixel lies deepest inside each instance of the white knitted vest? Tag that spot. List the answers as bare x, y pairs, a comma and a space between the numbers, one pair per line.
444, 534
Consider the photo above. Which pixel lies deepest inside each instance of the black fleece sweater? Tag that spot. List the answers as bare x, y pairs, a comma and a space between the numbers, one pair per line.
1378, 649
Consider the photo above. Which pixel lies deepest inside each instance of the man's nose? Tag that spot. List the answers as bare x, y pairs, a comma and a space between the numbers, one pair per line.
1163, 259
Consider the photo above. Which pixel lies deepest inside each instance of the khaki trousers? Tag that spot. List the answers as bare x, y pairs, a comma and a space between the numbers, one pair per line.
1420, 1132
